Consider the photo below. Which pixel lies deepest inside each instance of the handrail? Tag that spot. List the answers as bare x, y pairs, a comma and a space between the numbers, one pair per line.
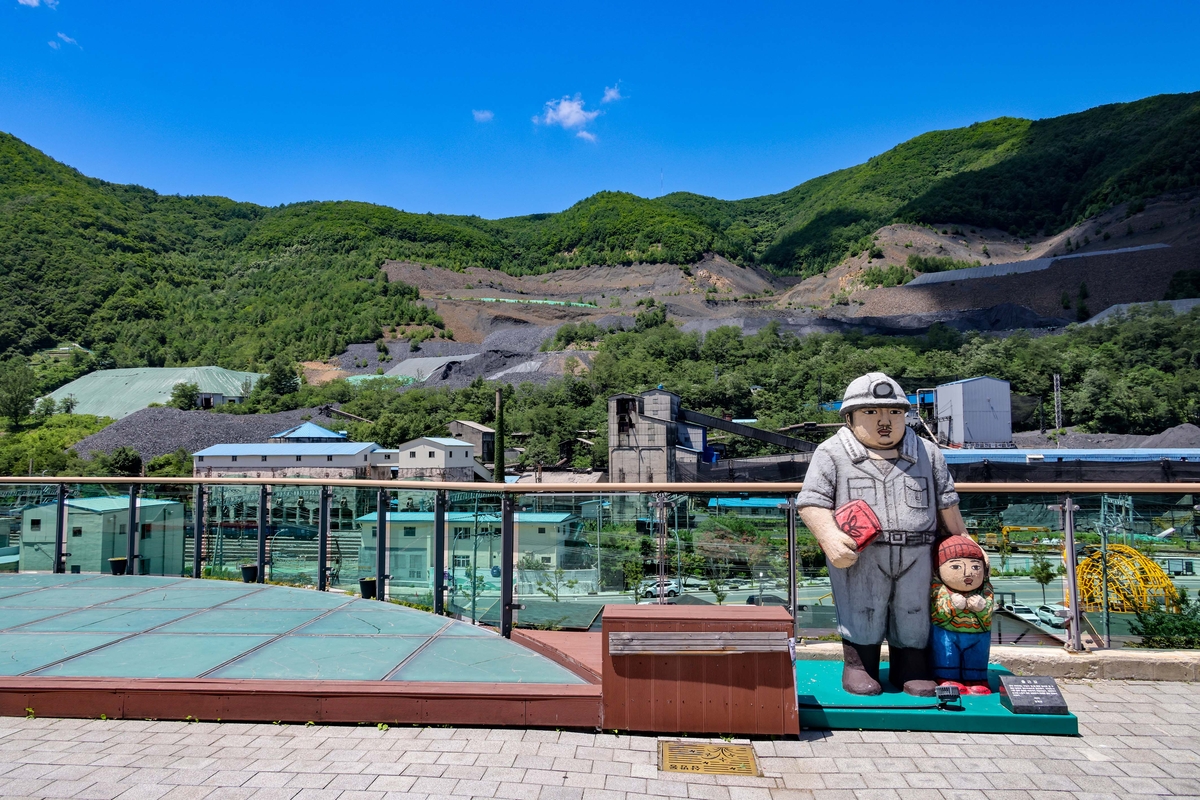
602, 488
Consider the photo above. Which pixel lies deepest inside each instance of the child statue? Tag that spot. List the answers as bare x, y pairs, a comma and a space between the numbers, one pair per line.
962, 603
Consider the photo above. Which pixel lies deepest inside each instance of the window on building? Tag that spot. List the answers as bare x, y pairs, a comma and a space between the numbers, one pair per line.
35, 524
146, 530
201, 458
412, 453
541, 530
233, 458
121, 529
264, 458
431, 454
387, 457
754, 512
410, 531
545, 559
298, 458
329, 458
373, 534
462, 562
77, 531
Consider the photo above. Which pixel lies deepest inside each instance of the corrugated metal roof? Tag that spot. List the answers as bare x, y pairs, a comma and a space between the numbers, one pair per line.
420, 369
1015, 267
1177, 306
118, 393
1050, 455
467, 516
745, 502
475, 425
300, 449
969, 380
100, 505
444, 441
308, 430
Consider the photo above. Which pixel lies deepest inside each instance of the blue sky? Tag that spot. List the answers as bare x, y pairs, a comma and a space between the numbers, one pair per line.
281, 102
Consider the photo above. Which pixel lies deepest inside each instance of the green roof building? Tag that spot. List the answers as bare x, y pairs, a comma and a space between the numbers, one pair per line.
118, 393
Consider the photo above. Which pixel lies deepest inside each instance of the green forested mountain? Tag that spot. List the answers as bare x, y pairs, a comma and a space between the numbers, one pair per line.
162, 280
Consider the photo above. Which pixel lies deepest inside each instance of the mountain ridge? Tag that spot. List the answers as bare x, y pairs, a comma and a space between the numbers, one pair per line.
167, 280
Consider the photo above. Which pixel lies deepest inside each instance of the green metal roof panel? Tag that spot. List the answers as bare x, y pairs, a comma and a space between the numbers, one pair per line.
118, 393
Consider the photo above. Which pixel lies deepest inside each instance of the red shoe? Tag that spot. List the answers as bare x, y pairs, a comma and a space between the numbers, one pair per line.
978, 687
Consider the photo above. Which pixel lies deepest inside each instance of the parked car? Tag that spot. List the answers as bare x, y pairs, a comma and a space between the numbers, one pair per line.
1023, 611
1054, 615
649, 588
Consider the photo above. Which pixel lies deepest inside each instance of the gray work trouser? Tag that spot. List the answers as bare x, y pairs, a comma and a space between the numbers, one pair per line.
885, 593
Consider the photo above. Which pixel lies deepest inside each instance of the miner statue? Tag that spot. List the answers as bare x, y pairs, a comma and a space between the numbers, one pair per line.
873, 497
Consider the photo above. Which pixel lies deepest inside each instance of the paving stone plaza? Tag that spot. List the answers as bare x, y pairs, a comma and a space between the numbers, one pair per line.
1137, 739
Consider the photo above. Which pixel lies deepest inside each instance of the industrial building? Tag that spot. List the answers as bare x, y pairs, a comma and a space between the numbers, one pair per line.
118, 393
974, 413
430, 458
653, 438
481, 437
96, 530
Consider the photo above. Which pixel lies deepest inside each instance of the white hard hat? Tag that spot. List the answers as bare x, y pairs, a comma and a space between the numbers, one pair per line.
873, 390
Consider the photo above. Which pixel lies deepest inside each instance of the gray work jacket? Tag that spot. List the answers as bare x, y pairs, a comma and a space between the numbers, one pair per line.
906, 499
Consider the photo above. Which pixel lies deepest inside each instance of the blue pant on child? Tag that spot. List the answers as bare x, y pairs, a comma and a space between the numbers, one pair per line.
959, 656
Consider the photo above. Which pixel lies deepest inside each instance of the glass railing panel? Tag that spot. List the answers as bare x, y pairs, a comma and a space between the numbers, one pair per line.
165, 529
473, 556
27, 514
96, 532
411, 542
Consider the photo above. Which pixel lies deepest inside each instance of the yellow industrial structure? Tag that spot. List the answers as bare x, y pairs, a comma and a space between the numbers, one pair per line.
1134, 581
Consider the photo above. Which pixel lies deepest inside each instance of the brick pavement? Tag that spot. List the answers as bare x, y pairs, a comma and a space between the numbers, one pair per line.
1138, 739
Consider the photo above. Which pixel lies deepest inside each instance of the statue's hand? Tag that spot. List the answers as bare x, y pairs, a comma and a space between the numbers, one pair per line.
840, 550
976, 602
958, 601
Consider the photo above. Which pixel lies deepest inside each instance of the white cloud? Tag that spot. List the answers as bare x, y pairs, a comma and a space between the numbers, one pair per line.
68, 39
53, 44
568, 113
612, 94
483, 115
591, 137
36, 3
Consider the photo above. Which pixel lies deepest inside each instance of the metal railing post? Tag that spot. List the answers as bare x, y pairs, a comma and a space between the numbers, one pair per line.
439, 552
508, 547
199, 526
1067, 508
381, 565
131, 540
263, 518
323, 541
58, 563
790, 509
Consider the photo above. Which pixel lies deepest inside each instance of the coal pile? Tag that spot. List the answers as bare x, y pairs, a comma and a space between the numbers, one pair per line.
157, 431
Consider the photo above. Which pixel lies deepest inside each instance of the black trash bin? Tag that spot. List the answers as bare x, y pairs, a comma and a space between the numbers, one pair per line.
117, 565
249, 573
366, 586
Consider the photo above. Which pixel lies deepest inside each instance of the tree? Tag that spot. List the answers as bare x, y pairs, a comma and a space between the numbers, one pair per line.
185, 396
553, 582
1169, 629
45, 408
281, 378
18, 390
67, 404
123, 462
1041, 571
170, 465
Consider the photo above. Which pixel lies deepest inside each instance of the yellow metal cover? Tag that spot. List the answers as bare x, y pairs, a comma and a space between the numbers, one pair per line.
707, 759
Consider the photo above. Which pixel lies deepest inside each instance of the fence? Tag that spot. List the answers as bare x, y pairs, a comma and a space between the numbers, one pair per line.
553, 556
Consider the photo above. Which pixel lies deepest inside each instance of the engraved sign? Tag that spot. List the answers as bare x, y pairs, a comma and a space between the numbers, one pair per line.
707, 759
1031, 695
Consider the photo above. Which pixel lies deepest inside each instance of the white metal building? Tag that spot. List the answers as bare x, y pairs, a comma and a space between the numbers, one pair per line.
976, 412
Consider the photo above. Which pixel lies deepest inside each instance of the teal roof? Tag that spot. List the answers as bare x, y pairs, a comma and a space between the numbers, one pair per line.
309, 431
101, 505
118, 393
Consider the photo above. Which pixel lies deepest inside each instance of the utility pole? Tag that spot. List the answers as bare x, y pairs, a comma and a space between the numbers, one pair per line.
1058, 419
498, 466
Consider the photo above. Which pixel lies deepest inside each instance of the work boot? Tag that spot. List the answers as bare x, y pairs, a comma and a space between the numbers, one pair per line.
909, 671
860, 673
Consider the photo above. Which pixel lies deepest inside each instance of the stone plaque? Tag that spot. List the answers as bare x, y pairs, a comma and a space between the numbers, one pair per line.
1031, 695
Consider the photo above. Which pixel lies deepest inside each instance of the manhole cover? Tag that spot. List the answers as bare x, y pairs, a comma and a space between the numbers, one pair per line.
707, 759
